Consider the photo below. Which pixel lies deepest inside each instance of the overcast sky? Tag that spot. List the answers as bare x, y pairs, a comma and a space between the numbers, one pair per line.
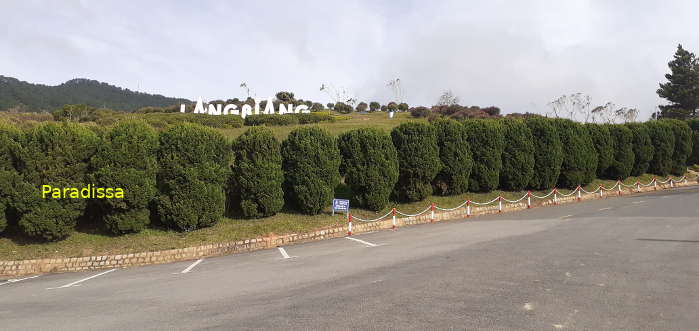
518, 55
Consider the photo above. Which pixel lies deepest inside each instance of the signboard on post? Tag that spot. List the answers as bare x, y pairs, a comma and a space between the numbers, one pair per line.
340, 205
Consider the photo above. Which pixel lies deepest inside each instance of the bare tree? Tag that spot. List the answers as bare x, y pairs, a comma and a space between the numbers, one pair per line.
248, 91
397, 89
574, 106
339, 94
447, 99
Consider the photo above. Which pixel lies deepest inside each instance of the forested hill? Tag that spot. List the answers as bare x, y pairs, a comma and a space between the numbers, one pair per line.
36, 97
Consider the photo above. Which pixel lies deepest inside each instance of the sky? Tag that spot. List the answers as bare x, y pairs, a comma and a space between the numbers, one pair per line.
517, 55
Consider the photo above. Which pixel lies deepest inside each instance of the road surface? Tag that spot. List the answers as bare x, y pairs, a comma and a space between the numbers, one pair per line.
628, 263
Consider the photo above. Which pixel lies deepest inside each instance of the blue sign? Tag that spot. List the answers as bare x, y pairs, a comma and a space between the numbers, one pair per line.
340, 205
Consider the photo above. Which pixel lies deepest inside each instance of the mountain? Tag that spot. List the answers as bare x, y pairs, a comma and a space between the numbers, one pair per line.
38, 97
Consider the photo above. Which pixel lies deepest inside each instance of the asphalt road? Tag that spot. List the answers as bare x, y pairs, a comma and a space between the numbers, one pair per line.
628, 263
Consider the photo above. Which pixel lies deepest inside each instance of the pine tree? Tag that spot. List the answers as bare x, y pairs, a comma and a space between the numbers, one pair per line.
682, 88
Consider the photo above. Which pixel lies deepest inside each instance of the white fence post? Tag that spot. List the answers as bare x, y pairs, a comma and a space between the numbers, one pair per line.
394, 218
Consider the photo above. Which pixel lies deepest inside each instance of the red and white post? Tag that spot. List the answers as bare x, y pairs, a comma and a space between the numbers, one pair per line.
349, 226
500, 204
671, 184
555, 196
394, 219
529, 199
468, 208
601, 191
432, 213
638, 186
579, 188
618, 185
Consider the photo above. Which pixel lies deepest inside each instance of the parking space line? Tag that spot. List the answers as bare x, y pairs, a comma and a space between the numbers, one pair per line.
191, 266
82, 280
10, 281
284, 254
368, 244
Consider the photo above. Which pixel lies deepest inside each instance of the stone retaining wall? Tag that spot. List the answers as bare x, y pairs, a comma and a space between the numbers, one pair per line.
27, 267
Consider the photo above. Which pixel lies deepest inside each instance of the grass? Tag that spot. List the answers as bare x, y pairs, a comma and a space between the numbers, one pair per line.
90, 241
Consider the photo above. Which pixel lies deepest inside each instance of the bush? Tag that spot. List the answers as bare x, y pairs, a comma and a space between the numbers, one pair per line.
374, 106
370, 166
548, 153
10, 150
420, 112
694, 157
273, 120
683, 146
663, 140
602, 141
194, 164
517, 156
127, 159
642, 148
257, 174
624, 156
580, 157
342, 107
315, 117
317, 106
57, 155
311, 164
362, 106
455, 154
486, 139
418, 159
403, 106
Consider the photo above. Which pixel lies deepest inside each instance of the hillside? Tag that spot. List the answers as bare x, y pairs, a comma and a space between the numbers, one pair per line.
38, 97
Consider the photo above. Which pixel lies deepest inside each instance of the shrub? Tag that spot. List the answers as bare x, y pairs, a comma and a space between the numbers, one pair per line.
273, 120
403, 106
455, 154
602, 141
257, 176
548, 152
57, 155
663, 140
10, 150
311, 164
316, 106
580, 157
127, 159
362, 106
342, 107
642, 148
694, 157
370, 166
683, 146
418, 160
420, 112
374, 106
392, 106
517, 156
485, 137
624, 156
194, 164
315, 117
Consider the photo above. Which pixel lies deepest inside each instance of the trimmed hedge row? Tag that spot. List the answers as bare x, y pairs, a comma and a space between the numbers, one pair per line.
694, 157
186, 176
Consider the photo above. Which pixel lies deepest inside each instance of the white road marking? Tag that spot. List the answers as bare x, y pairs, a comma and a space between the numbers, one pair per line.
82, 280
368, 244
606, 208
528, 306
191, 266
637, 202
567, 216
284, 254
10, 281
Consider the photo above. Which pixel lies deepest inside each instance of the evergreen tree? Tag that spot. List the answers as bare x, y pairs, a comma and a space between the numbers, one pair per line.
682, 88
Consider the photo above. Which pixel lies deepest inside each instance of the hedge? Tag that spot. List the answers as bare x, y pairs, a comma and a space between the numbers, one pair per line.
10, 139
194, 166
517, 156
486, 139
257, 176
127, 159
683, 146
642, 148
272, 120
369, 165
694, 157
602, 141
311, 164
580, 157
623, 158
455, 154
57, 155
418, 159
663, 139
548, 152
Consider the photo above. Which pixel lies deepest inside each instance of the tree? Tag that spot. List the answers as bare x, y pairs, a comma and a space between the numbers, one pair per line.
418, 158
694, 157
487, 142
682, 87
311, 162
455, 154
683, 146
10, 179
663, 139
369, 165
623, 156
517, 155
256, 173
602, 141
642, 148
403, 106
330, 105
284, 96
575, 107
548, 152
579, 158
341, 107
362, 106
374, 106
194, 168
447, 99
126, 158
316, 106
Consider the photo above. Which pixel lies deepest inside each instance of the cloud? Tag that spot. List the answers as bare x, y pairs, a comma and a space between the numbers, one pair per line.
516, 55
